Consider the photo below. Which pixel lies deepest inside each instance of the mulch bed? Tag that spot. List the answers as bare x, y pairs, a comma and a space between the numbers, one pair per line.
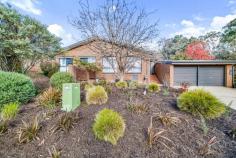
186, 137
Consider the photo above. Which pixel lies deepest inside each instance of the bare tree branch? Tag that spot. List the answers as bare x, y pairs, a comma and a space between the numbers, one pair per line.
120, 29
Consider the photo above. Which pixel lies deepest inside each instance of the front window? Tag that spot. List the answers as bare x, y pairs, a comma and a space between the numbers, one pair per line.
109, 64
64, 62
88, 59
135, 65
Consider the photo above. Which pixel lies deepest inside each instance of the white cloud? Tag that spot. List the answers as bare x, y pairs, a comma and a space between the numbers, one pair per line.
231, 2
58, 30
198, 18
26, 5
220, 21
187, 23
190, 29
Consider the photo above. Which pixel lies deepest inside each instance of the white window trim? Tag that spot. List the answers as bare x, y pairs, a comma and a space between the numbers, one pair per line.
66, 67
139, 59
111, 69
94, 57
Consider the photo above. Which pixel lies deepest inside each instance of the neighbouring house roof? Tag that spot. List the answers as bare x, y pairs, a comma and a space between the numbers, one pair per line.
151, 54
198, 62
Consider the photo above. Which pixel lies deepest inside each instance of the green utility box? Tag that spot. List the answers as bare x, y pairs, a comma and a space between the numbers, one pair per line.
70, 96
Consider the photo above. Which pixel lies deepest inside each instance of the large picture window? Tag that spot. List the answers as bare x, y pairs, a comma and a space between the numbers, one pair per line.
109, 64
135, 65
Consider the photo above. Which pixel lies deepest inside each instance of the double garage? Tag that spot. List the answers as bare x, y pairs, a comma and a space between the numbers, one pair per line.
196, 73
200, 75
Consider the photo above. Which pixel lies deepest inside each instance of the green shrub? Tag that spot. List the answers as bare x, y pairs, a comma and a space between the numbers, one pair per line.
121, 84
199, 102
50, 98
9, 111
108, 88
109, 126
102, 82
96, 95
153, 87
87, 66
133, 84
83, 84
59, 78
15, 87
49, 68
88, 86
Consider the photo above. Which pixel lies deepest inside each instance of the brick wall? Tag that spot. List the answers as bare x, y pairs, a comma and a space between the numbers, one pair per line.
86, 51
78, 74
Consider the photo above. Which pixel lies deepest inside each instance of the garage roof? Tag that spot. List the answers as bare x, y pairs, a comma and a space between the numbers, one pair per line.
198, 62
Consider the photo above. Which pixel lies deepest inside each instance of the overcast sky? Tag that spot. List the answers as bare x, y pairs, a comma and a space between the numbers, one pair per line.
187, 17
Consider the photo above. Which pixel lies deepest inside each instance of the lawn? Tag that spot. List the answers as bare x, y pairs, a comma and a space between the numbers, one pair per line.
177, 133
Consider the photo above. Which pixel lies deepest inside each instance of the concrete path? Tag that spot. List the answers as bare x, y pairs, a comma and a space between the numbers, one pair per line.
225, 94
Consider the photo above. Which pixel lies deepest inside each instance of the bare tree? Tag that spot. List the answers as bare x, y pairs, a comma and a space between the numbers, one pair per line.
120, 29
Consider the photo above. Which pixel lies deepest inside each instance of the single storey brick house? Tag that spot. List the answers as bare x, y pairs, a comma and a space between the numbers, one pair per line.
196, 72
146, 69
141, 71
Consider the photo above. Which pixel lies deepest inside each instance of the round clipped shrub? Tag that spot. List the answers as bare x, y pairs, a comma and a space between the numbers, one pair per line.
153, 87
121, 84
49, 68
15, 87
201, 103
59, 78
109, 126
96, 95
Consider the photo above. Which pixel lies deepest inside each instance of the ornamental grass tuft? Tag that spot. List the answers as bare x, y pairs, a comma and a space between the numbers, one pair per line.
109, 126
199, 102
153, 87
96, 95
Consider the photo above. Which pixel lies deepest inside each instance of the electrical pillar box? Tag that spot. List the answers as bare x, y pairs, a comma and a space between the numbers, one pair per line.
70, 96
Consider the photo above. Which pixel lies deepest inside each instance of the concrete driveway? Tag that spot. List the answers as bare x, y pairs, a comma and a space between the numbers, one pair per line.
226, 95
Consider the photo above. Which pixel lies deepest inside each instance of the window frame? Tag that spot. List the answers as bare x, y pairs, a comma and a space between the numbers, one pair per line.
141, 66
109, 64
88, 57
127, 72
66, 67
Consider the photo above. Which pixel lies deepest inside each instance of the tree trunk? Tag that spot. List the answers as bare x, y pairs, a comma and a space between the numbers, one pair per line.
121, 76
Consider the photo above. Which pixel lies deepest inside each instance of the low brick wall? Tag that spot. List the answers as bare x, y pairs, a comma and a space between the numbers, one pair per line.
92, 75
78, 74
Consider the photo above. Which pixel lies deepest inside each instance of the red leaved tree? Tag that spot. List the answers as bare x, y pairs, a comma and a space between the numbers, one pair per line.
198, 51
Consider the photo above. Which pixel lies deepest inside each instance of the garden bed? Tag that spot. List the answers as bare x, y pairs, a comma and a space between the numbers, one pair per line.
186, 137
